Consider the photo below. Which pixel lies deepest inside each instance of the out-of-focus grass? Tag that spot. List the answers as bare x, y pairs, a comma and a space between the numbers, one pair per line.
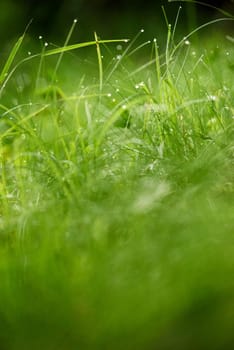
116, 227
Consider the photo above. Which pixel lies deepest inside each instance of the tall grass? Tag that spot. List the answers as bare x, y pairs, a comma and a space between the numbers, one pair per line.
116, 194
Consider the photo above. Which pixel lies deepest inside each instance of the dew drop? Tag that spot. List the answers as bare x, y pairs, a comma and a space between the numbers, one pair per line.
212, 98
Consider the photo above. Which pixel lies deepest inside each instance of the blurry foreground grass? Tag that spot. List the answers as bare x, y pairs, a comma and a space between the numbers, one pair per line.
116, 218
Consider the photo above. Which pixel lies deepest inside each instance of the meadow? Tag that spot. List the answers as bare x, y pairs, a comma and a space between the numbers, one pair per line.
117, 194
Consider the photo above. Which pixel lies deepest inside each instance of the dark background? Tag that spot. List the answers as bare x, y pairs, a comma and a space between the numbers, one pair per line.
109, 18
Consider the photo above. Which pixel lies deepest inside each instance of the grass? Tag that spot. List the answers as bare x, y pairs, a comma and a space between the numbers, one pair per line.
116, 192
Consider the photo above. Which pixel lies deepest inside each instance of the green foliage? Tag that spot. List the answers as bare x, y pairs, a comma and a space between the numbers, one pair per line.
116, 197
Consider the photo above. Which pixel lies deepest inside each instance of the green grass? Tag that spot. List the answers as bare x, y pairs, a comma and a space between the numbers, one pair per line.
117, 196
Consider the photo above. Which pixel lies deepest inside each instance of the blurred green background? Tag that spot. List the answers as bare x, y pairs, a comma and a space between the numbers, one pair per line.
109, 18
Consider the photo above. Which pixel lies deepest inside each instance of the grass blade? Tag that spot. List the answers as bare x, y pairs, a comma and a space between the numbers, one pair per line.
10, 59
99, 55
80, 45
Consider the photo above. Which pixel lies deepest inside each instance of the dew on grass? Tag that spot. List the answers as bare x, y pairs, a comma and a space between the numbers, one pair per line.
142, 30
46, 44
75, 20
119, 47
212, 98
118, 57
140, 85
186, 41
213, 121
109, 94
40, 37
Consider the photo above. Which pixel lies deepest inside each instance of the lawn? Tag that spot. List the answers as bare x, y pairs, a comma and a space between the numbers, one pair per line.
117, 194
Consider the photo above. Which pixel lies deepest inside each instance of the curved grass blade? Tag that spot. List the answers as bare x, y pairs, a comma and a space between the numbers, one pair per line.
225, 13
80, 45
10, 59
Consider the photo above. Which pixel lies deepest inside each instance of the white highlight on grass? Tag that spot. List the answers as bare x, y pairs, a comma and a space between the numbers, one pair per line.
212, 121
75, 20
46, 44
142, 30
212, 98
140, 85
150, 195
40, 37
